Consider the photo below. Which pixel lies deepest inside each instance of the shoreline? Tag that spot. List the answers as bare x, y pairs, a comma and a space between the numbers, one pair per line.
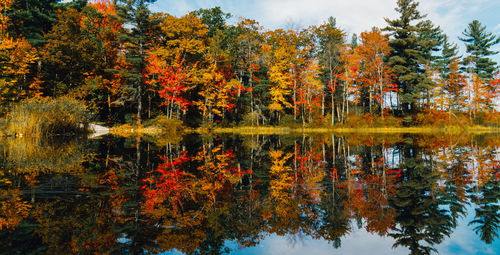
127, 130
277, 130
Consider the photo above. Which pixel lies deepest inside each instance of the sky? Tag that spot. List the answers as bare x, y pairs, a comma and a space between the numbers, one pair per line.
353, 16
462, 241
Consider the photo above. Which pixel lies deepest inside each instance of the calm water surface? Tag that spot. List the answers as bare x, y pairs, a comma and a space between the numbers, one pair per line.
255, 194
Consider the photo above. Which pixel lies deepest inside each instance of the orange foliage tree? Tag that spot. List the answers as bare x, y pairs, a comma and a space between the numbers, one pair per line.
376, 74
349, 77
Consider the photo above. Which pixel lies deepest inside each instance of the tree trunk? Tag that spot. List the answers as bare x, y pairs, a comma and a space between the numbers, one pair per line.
294, 99
149, 105
333, 110
109, 108
250, 82
323, 103
139, 103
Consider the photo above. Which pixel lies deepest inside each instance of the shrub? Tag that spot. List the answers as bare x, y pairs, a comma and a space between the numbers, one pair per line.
288, 120
250, 119
490, 119
432, 117
359, 121
388, 121
480, 118
166, 124
371, 121
44, 117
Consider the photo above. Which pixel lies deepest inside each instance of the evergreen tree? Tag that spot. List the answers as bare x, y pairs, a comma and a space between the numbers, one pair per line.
411, 44
354, 40
449, 51
478, 42
421, 223
431, 38
487, 219
137, 14
32, 18
214, 18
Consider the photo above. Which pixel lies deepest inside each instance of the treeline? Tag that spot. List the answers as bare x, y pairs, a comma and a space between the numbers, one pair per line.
128, 65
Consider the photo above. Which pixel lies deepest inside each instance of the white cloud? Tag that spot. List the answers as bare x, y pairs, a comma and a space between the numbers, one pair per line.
353, 16
177, 8
464, 241
357, 16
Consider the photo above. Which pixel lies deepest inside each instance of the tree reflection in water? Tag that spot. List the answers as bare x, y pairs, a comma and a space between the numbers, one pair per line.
196, 194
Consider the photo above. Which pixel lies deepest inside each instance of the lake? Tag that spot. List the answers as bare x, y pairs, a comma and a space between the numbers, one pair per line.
251, 194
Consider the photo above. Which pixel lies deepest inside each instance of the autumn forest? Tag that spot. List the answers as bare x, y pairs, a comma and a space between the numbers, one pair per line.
127, 64
129, 131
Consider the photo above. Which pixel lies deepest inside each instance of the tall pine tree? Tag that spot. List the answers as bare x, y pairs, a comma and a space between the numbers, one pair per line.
478, 42
410, 53
32, 18
449, 51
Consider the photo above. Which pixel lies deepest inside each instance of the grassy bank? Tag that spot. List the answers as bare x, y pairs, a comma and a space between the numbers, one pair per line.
127, 130
160, 126
374, 130
430, 122
47, 117
176, 130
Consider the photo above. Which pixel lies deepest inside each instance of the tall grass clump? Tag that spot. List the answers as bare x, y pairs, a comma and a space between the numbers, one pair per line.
45, 117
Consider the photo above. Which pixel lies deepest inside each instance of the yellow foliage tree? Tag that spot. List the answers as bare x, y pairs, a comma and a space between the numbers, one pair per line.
217, 93
281, 177
4, 19
282, 53
184, 37
16, 55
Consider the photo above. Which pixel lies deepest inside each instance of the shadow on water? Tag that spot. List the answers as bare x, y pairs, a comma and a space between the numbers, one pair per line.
220, 194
